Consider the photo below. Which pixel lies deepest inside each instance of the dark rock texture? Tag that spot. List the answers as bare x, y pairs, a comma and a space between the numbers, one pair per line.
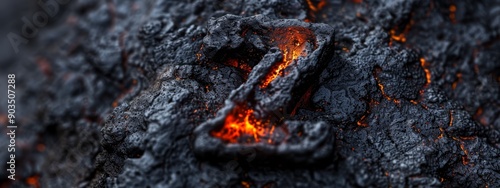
113, 93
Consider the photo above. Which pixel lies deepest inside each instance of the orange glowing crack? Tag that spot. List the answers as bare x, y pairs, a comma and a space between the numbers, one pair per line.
465, 158
381, 87
292, 42
240, 122
240, 65
33, 181
451, 119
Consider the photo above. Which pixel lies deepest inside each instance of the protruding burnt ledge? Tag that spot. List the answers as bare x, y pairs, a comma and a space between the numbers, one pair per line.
255, 115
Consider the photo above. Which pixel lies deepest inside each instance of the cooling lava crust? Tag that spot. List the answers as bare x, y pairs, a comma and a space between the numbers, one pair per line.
279, 93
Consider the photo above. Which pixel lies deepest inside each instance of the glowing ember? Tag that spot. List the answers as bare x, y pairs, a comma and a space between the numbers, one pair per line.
468, 137
397, 37
316, 7
240, 122
237, 64
33, 181
292, 42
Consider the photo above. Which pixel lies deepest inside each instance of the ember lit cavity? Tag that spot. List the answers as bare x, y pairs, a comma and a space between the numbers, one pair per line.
241, 122
258, 114
316, 6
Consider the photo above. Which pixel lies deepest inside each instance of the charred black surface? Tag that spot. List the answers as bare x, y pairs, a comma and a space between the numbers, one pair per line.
265, 94
128, 94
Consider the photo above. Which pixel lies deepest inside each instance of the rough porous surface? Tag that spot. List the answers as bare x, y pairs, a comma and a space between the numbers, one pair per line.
109, 94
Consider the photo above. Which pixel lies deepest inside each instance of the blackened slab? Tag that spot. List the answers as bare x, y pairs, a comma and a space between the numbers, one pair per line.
254, 116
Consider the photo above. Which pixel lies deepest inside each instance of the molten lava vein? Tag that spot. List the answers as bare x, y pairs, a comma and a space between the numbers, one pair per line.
400, 37
292, 42
242, 122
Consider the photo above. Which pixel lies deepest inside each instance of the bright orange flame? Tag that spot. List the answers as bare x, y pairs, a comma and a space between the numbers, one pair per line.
465, 158
381, 87
241, 121
199, 54
292, 42
317, 7
468, 137
425, 66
